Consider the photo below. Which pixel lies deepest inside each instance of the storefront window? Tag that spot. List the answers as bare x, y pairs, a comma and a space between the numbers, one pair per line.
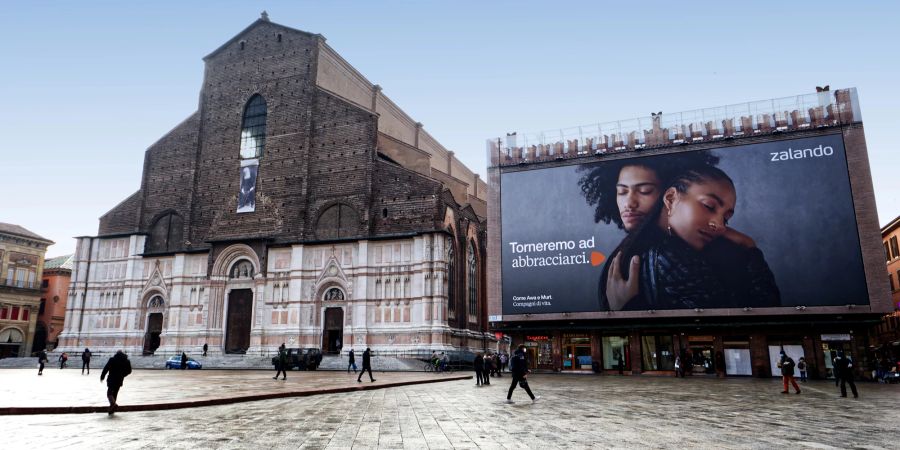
656, 353
540, 352
577, 352
615, 353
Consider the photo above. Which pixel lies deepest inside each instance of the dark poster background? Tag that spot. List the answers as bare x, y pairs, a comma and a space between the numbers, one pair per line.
799, 212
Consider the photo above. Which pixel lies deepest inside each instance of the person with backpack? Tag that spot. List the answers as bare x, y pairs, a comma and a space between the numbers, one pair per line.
519, 368
86, 361
787, 373
281, 363
843, 369
801, 366
351, 363
118, 367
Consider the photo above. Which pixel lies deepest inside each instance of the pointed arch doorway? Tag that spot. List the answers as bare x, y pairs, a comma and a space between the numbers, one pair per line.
333, 331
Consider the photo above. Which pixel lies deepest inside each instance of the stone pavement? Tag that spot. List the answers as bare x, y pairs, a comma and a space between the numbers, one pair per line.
66, 391
575, 412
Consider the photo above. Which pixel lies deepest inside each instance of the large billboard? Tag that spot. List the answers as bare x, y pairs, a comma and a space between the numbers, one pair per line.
769, 224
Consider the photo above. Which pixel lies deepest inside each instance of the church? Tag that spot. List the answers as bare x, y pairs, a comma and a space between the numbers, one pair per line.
297, 205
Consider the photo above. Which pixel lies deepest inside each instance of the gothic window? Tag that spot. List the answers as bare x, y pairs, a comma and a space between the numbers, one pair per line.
451, 277
334, 294
166, 234
253, 128
338, 221
242, 269
156, 302
472, 280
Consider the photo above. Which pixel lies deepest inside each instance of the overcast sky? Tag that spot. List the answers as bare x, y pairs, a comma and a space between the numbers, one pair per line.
86, 87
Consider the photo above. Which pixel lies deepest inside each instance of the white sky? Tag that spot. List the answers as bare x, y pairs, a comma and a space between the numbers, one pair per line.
86, 87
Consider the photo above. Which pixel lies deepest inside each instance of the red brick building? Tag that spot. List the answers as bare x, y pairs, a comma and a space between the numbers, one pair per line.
297, 205
54, 295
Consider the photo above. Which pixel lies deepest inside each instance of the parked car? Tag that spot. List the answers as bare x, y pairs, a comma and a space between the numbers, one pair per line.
302, 358
175, 363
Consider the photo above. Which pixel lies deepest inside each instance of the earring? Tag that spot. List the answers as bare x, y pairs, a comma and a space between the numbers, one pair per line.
669, 229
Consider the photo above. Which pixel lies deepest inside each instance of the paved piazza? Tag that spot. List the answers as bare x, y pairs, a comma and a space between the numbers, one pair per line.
575, 411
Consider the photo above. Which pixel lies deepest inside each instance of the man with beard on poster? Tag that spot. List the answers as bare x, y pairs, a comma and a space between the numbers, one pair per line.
684, 256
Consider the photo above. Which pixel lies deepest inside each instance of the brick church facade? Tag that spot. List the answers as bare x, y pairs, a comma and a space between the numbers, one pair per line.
297, 205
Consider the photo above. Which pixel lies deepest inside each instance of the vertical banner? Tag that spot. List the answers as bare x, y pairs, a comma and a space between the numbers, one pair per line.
247, 195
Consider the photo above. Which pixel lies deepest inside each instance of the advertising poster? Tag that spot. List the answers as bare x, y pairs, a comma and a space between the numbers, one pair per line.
760, 225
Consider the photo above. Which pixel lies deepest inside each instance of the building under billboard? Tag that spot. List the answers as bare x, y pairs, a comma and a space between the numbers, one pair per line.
719, 237
297, 205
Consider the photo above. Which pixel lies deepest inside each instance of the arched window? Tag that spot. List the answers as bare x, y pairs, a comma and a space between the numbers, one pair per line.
242, 269
253, 128
451, 278
166, 234
472, 280
338, 221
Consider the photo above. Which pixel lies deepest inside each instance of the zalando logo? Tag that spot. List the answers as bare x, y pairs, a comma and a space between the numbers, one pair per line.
797, 153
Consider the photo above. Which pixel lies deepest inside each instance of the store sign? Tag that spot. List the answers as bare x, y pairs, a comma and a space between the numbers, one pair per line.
836, 337
497, 318
537, 338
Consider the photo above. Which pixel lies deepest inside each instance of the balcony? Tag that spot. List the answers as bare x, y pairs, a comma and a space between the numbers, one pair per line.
20, 284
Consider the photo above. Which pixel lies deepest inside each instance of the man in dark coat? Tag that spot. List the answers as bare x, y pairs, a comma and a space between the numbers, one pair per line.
118, 367
281, 363
519, 368
86, 361
42, 359
205, 348
479, 369
351, 363
843, 369
367, 365
184, 360
787, 373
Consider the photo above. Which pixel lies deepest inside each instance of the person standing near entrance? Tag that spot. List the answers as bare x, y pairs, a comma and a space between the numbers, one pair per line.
478, 365
282, 363
42, 359
118, 367
843, 369
519, 368
86, 361
351, 362
801, 366
205, 348
787, 373
184, 360
367, 365
679, 372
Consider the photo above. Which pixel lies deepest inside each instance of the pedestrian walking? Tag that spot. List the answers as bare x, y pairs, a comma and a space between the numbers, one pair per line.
281, 363
366, 365
787, 373
351, 362
486, 372
679, 371
118, 367
503, 360
86, 361
42, 359
478, 365
62, 360
519, 368
801, 366
184, 360
843, 368
205, 348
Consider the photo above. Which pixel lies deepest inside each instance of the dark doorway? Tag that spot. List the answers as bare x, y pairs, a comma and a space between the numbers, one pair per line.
334, 330
154, 328
237, 329
40, 337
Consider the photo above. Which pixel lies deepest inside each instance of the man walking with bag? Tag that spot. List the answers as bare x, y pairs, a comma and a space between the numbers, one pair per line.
519, 369
787, 373
351, 363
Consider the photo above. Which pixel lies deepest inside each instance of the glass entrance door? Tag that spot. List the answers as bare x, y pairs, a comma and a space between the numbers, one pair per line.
577, 353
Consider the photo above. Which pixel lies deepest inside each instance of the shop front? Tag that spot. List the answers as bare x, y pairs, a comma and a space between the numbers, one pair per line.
539, 351
657, 353
616, 354
833, 343
576, 351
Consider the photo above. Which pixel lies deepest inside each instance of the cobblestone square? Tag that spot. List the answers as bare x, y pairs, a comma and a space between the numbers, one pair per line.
573, 412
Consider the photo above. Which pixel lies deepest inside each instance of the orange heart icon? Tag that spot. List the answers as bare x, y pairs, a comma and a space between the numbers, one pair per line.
597, 258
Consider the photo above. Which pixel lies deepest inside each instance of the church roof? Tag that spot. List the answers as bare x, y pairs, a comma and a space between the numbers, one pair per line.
263, 19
